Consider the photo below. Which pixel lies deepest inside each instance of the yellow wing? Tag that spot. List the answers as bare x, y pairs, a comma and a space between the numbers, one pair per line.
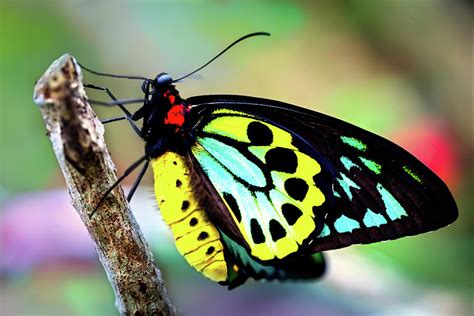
267, 183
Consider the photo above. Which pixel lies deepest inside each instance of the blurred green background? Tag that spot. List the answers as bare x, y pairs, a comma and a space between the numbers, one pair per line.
402, 69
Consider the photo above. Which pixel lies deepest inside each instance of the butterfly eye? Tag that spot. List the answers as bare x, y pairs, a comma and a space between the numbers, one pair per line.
164, 79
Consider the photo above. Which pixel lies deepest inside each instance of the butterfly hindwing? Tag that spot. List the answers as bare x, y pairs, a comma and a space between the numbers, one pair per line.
301, 267
373, 190
267, 180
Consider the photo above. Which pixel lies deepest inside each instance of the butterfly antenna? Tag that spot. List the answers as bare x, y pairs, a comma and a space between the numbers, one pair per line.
111, 75
125, 174
226, 49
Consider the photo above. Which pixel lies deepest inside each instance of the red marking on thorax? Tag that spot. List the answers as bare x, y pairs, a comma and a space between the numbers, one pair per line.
176, 115
172, 99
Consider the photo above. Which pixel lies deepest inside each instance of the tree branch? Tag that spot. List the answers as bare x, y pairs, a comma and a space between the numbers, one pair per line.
78, 142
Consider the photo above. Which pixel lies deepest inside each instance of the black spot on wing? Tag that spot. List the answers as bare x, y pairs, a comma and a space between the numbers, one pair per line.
193, 221
296, 188
291, 213
259, 134
281, 159
276, 230
234, 207
256, 231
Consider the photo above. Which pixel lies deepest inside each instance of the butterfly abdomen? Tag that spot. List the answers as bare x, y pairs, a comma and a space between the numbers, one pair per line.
197, 239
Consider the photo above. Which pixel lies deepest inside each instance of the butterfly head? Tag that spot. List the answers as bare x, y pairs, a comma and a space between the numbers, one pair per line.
161, 83
163, 80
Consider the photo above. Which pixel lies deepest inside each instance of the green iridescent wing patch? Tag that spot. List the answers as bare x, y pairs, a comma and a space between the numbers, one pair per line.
368, 209
373, 189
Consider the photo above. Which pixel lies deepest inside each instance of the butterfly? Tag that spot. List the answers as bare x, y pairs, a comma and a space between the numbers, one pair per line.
257, 188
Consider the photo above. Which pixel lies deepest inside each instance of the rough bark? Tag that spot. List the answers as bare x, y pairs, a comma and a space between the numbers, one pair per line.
77, 138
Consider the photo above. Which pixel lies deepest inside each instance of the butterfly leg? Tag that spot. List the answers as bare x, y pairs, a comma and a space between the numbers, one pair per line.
113, 119
137, 181
128, 115
120, 179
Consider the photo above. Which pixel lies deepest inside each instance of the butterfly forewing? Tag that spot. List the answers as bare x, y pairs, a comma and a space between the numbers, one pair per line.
262, 154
